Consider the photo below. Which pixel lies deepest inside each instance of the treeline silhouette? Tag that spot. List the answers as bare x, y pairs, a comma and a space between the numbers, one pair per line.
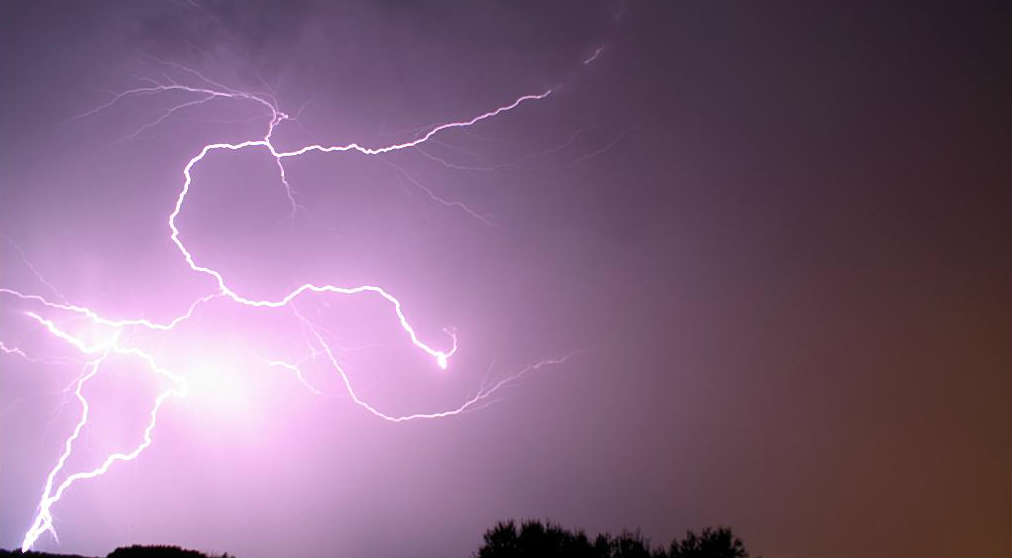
534, 538
505, 540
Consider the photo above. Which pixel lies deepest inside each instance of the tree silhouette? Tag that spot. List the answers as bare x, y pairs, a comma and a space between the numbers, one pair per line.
535, 538
719, 543
630, 544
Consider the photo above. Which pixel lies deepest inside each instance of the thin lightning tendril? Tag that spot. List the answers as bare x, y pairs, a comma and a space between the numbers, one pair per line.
112, 344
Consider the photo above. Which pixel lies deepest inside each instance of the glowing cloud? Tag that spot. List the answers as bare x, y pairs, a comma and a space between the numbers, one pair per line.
106, 337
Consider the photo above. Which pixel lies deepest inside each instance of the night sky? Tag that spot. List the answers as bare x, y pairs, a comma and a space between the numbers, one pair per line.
771, 242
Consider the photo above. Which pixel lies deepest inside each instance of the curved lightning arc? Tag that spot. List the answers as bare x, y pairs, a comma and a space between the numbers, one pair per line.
96, 353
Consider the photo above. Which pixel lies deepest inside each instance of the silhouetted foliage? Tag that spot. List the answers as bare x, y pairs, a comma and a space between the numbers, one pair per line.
630, 544
719, 543
535, 538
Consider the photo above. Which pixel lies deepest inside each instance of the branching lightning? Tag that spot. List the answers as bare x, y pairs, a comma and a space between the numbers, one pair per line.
112, 339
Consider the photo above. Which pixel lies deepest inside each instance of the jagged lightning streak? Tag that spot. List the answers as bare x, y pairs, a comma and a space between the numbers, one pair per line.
44, 519
208, 91
483, 394
442, 357
480, 397
31, 267
95, 318
501, 166
439, 199
14, 350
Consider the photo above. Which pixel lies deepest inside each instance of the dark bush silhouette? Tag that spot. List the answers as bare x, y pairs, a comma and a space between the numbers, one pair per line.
535, 538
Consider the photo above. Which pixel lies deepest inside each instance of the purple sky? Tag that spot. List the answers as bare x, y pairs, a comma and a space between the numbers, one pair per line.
776, 237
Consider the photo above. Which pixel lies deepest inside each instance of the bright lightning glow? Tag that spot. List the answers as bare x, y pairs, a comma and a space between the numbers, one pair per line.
108, 337
44, 520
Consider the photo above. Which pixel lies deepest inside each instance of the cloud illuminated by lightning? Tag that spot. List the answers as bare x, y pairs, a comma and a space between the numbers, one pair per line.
109, 336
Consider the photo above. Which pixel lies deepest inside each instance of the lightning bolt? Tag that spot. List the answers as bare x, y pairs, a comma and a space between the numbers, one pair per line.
44, 520
590, 59
114, 331
31, 267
